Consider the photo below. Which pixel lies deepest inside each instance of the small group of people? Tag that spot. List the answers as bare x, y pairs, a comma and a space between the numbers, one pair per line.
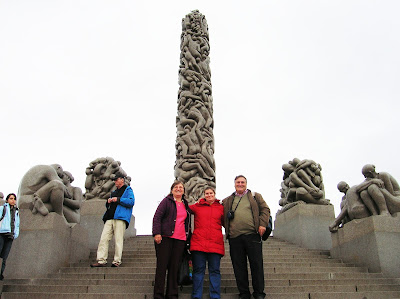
9, 228
244, 215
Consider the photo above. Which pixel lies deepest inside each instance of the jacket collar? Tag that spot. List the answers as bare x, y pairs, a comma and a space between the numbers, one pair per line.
203, 201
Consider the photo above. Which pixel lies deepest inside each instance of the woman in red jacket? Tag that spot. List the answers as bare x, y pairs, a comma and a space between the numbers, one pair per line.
207, 243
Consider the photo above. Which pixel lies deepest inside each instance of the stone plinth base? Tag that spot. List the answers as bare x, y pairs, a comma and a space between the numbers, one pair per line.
306, 225
45, 244
92, 212
373, 242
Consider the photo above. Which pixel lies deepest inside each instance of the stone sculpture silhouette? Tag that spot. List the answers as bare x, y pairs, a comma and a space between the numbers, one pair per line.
72, 205
99, 177
195, 164
378, 194
42, 190
302, 183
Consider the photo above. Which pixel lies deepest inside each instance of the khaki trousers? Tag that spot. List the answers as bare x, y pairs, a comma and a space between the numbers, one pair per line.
116, 228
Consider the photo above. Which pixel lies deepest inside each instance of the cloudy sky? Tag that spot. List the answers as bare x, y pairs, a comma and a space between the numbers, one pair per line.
91, 78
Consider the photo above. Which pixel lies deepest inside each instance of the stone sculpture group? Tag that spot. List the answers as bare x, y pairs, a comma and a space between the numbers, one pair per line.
378, 194
302, 183
195, 165
47, 188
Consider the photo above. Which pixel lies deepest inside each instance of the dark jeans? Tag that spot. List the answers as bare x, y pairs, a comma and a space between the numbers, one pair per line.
5, 247
200, 259
169, 256
241, 248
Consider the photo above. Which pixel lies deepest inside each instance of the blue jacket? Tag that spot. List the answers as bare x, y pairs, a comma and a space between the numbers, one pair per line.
125, 205
5, 224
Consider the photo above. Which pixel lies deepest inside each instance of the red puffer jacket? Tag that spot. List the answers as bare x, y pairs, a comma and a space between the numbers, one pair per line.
208, 220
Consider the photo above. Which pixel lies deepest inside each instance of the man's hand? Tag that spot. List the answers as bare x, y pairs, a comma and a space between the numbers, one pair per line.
112, 199
157, 239
261, 230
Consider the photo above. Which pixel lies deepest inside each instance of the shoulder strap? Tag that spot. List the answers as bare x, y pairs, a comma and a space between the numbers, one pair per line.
4, 213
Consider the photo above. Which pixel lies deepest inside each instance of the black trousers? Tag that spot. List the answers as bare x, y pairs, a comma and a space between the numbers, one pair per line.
5, 247
169, 256
242, 248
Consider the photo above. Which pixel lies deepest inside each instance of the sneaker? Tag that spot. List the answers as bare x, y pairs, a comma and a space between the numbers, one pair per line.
115, 265
95, 265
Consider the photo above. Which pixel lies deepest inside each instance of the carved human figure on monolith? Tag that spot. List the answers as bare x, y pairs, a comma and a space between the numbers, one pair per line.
42, 190
378, 194
100, 175
194, 122
302, 183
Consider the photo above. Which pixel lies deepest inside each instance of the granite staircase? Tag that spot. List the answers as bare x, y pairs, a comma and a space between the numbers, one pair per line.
290, 272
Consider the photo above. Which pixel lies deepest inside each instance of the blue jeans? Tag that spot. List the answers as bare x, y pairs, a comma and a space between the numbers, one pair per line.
199, 260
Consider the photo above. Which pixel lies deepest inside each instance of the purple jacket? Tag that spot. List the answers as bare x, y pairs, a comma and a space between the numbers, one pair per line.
165, 217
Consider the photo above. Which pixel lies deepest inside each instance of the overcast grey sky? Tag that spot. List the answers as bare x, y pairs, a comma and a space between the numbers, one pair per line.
309, 79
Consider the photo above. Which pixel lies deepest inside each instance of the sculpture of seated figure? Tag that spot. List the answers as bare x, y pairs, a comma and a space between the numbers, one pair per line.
380, 192
72, 205
42, 190
352, 207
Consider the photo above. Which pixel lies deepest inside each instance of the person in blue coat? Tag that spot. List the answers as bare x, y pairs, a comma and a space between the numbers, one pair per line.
9, 228
116, 221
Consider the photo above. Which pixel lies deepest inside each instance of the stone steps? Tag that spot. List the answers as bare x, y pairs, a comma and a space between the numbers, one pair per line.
290, 272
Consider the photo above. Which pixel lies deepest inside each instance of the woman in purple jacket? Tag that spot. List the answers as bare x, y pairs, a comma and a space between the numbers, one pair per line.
171, 224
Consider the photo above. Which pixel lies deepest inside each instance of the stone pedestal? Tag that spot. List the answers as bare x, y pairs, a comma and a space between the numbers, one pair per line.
306, 225
92, 212
373, 242
45, 244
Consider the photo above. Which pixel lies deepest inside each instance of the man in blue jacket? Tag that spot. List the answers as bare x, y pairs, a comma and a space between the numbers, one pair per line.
116, 221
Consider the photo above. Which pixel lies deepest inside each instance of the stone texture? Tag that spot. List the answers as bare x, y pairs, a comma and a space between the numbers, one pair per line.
47, 188
306, 225
373, 242
100, 175
45, 244
290, 272
302, 183
92, 212
195, 164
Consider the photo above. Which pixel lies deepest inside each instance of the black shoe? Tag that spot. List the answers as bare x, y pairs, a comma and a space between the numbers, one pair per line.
95, 265
114, 265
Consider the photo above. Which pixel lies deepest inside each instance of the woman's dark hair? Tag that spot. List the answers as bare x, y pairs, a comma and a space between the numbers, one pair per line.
177, 183
8, 196
209, 188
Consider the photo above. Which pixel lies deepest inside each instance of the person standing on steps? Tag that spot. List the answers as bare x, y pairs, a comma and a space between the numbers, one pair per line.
207, 243
171, 226
116, 221
9, 228
246, 219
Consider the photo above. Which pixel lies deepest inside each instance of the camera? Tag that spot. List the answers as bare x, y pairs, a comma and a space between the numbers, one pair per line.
230, 215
